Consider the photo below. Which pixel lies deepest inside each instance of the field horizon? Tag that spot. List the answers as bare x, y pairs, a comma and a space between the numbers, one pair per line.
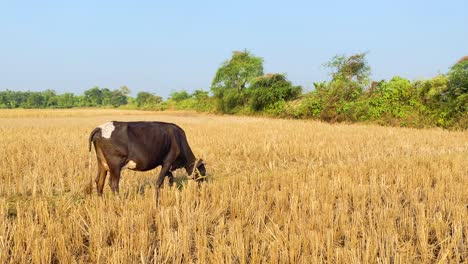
278, 191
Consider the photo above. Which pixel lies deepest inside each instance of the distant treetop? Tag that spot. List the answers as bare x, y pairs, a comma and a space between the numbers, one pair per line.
464, 58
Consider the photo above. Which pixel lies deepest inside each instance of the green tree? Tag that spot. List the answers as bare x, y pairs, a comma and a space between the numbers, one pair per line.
34, 100
201, 100
124, 90
15, 99
142, 98
93, 97
269, 89
10, 99
458, 79
118, 98
66, 100
200, 95
337, 100
147, 100
353, 68
50, 98
179, 96
3, 99
233, 77
454, 101
106, 95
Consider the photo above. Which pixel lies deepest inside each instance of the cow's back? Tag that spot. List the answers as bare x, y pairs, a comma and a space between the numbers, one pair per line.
145, 144
150, 142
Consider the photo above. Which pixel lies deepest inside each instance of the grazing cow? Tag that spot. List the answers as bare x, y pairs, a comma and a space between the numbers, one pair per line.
141, 146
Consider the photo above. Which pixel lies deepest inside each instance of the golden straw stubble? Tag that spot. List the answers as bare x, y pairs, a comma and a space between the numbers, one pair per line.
279, 191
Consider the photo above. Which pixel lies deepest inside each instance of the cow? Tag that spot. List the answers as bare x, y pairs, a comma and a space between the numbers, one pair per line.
142, 146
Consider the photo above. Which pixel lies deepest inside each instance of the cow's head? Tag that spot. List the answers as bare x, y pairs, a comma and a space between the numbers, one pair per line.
198, 170
200, 167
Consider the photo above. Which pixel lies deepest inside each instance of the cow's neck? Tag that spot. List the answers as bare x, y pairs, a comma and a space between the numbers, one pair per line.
190, 165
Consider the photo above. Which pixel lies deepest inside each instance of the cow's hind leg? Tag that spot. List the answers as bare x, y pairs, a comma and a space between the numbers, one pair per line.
114, 179
114, 171
101, 178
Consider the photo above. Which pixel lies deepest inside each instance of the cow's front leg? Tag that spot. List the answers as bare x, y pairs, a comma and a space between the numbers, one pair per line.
171, 178
164, 170
162, 175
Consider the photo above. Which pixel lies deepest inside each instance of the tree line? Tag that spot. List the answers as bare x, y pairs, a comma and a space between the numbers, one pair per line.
94, 97
240, 86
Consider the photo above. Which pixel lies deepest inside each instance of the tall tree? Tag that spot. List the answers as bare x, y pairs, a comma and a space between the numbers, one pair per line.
179, 96
106, 95
353, 68
125, 90
118, 98
233, 77
93, 96
50, 98
149, 100
66, 100
458, 79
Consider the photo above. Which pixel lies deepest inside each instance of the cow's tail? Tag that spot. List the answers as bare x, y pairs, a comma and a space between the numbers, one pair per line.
90, 143
91, 137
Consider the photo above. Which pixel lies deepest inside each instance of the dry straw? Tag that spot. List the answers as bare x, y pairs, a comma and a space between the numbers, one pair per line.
278, 191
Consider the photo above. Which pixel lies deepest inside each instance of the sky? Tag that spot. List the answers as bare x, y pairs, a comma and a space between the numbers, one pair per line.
166, 46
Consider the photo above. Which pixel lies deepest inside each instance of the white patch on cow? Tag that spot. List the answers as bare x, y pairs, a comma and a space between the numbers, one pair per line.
106, 129
130, 165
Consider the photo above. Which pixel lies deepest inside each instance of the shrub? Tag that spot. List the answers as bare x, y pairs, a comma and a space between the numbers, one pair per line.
269, 90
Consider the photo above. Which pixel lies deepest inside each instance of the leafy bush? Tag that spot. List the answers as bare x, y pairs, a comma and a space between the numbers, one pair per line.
456, 96
239, 86
270, 89
179, 96
396, 98
232, 101
199, 101
147, 100
333, 101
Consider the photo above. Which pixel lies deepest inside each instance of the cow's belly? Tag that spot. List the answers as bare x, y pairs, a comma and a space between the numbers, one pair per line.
140, 165
145, 157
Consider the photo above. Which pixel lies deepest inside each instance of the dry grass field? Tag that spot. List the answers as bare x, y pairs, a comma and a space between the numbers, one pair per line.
279, 191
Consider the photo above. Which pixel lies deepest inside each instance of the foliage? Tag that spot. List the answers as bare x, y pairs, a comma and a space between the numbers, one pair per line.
105, 97
336, 100
458, 79
353, 68
395, 98
118, 98
28, 99
66, 100
233, 78
147, 100
179, 96
93, 96
269, 89
239, 87
457, 91
199, 100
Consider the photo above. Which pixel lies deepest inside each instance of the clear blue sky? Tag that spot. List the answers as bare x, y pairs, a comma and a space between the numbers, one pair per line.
162, 46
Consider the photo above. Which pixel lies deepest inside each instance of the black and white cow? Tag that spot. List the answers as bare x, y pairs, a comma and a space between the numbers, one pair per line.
141, 146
